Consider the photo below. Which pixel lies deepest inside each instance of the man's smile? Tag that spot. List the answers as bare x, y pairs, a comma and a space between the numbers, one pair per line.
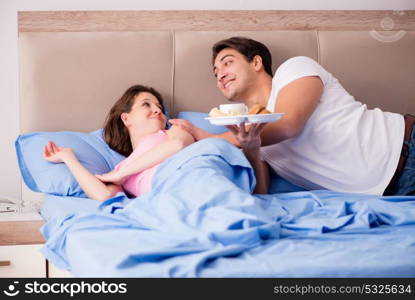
226, 84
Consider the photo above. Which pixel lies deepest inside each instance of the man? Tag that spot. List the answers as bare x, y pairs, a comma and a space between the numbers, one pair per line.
326, 139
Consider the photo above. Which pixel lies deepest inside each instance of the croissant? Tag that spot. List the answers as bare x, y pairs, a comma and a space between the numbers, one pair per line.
258, 110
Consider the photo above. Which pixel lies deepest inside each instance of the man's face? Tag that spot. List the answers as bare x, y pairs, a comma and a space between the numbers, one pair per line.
234, 74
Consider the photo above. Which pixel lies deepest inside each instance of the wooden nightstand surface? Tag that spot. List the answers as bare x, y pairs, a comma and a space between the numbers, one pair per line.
20, 233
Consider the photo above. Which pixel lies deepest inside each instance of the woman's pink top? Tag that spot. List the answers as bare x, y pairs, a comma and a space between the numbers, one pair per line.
140, 183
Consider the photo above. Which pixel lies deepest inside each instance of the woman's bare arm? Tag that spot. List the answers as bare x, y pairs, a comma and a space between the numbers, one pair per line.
178, 139
92, 186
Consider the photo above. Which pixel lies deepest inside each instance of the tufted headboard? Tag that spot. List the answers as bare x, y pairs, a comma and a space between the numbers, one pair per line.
70, 77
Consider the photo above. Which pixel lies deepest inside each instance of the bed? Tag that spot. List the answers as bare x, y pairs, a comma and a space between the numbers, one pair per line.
200, 219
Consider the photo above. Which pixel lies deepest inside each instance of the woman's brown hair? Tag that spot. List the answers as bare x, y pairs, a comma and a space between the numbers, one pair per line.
115, 132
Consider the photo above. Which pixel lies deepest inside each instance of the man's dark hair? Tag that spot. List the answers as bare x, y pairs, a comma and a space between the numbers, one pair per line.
247, 47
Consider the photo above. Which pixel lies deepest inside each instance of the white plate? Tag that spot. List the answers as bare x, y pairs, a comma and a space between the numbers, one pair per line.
234, 120
229, 120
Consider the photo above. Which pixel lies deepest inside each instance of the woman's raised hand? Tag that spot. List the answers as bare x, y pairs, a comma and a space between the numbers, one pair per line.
55, 154
196, 132
110, 177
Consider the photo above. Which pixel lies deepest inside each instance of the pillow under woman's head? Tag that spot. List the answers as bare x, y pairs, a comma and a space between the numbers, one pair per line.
90, 148
42, 176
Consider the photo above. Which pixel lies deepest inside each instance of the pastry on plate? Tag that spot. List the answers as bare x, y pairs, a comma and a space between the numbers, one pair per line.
258, 110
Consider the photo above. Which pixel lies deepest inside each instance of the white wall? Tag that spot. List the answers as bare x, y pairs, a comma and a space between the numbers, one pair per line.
9, 122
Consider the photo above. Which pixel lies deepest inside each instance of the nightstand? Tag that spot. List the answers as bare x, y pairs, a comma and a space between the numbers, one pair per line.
20, 242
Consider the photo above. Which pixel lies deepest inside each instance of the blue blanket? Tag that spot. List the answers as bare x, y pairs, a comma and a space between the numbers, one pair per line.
201, 220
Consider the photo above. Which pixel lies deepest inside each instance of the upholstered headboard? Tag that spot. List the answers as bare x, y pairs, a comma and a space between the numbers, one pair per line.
70, 79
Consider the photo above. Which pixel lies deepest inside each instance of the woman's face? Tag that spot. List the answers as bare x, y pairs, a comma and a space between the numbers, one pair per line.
146, 114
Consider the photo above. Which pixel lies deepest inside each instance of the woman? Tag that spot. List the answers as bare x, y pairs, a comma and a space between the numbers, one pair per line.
135, 127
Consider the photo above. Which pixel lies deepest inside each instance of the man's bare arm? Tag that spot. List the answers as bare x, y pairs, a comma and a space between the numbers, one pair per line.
297, 100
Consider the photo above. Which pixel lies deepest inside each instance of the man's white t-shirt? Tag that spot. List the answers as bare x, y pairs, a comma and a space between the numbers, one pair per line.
344, 146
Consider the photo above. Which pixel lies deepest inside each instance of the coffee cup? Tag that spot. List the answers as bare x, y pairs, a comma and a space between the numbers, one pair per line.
234, 109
